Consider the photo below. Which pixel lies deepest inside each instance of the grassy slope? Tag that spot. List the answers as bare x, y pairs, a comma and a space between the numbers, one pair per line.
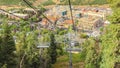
100, 2
17, 2
63, 61
11, 2
87, 2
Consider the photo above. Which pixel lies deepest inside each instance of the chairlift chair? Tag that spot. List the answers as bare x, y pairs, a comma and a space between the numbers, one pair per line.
43, 45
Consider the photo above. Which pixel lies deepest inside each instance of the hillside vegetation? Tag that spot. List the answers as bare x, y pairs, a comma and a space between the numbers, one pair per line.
13, 2
87, 2
51, 2
77, 2
9, 2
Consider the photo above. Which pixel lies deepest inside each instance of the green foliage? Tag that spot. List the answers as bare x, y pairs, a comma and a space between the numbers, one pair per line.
83, 35
12, 2
53, 49
92, 54
45, 31
34, 19
115, 17
114, 3
50, 2
7, 48
41, 7
86, 2
63, 61
9, 2
84, 49
99, 2
110, 40
26, 51
109, 46
4, 66
60, 50
61, 32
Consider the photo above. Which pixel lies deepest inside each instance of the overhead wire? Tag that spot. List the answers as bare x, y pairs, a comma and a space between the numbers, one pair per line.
34, 8
71, 13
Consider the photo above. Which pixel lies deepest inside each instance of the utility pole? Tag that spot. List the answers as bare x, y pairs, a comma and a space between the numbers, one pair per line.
70, 49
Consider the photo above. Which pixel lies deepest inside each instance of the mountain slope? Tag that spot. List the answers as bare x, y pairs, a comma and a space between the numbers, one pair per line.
37, 2
9, 2
13, 2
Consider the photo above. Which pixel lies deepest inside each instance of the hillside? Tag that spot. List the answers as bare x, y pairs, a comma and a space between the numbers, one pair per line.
9, 2
86, 2
13, 2
49, 2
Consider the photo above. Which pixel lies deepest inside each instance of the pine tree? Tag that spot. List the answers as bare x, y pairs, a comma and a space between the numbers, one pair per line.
53, 49
7, 47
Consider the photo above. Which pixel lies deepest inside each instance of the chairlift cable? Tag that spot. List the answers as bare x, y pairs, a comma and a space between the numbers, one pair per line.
71, 13
34, 8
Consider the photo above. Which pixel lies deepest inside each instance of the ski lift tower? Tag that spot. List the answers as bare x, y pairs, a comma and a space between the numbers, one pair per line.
72, 41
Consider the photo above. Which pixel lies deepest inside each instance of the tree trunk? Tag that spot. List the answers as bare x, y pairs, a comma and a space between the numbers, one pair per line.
21, 62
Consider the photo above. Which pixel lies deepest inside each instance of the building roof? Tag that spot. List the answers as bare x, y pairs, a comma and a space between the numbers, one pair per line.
68, 22
44, 21
52, 19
